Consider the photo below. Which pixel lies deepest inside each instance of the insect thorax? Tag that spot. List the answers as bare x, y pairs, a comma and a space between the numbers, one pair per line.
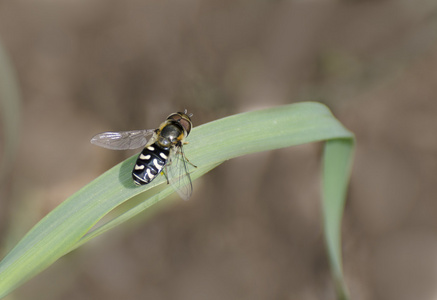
170, 135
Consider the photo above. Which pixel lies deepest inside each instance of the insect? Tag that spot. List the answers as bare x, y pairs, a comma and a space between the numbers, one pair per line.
162, 153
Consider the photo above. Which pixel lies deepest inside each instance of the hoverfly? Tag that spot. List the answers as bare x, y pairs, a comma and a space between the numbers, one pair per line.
162, 153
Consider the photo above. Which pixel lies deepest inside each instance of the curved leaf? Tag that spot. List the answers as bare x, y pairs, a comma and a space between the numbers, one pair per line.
74, 221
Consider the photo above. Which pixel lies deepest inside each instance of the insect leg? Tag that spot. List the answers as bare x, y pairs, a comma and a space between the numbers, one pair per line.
183, 154
165, 174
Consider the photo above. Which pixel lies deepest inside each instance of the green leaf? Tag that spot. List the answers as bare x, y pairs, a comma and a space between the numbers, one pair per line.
336, 168
74, 221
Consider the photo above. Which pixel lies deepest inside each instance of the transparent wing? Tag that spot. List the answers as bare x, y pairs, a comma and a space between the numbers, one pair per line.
123, 140
177, 173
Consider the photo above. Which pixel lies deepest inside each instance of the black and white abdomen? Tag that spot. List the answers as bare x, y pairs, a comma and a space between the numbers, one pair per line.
149, 164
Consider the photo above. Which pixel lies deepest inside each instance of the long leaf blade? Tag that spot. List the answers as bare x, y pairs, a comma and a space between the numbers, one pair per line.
68, 226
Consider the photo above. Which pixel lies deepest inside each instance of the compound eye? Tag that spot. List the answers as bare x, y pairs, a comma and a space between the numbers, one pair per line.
186, 124
182, 119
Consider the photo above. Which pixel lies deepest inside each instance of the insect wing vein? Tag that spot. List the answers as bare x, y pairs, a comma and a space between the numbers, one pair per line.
177, 173
123, 140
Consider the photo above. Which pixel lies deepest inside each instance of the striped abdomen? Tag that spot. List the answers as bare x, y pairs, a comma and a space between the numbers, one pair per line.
149, 164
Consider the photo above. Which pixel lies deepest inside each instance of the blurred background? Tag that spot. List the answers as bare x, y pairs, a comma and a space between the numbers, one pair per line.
252, 229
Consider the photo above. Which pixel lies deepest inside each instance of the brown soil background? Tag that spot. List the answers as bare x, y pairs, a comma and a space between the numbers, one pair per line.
252, 229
